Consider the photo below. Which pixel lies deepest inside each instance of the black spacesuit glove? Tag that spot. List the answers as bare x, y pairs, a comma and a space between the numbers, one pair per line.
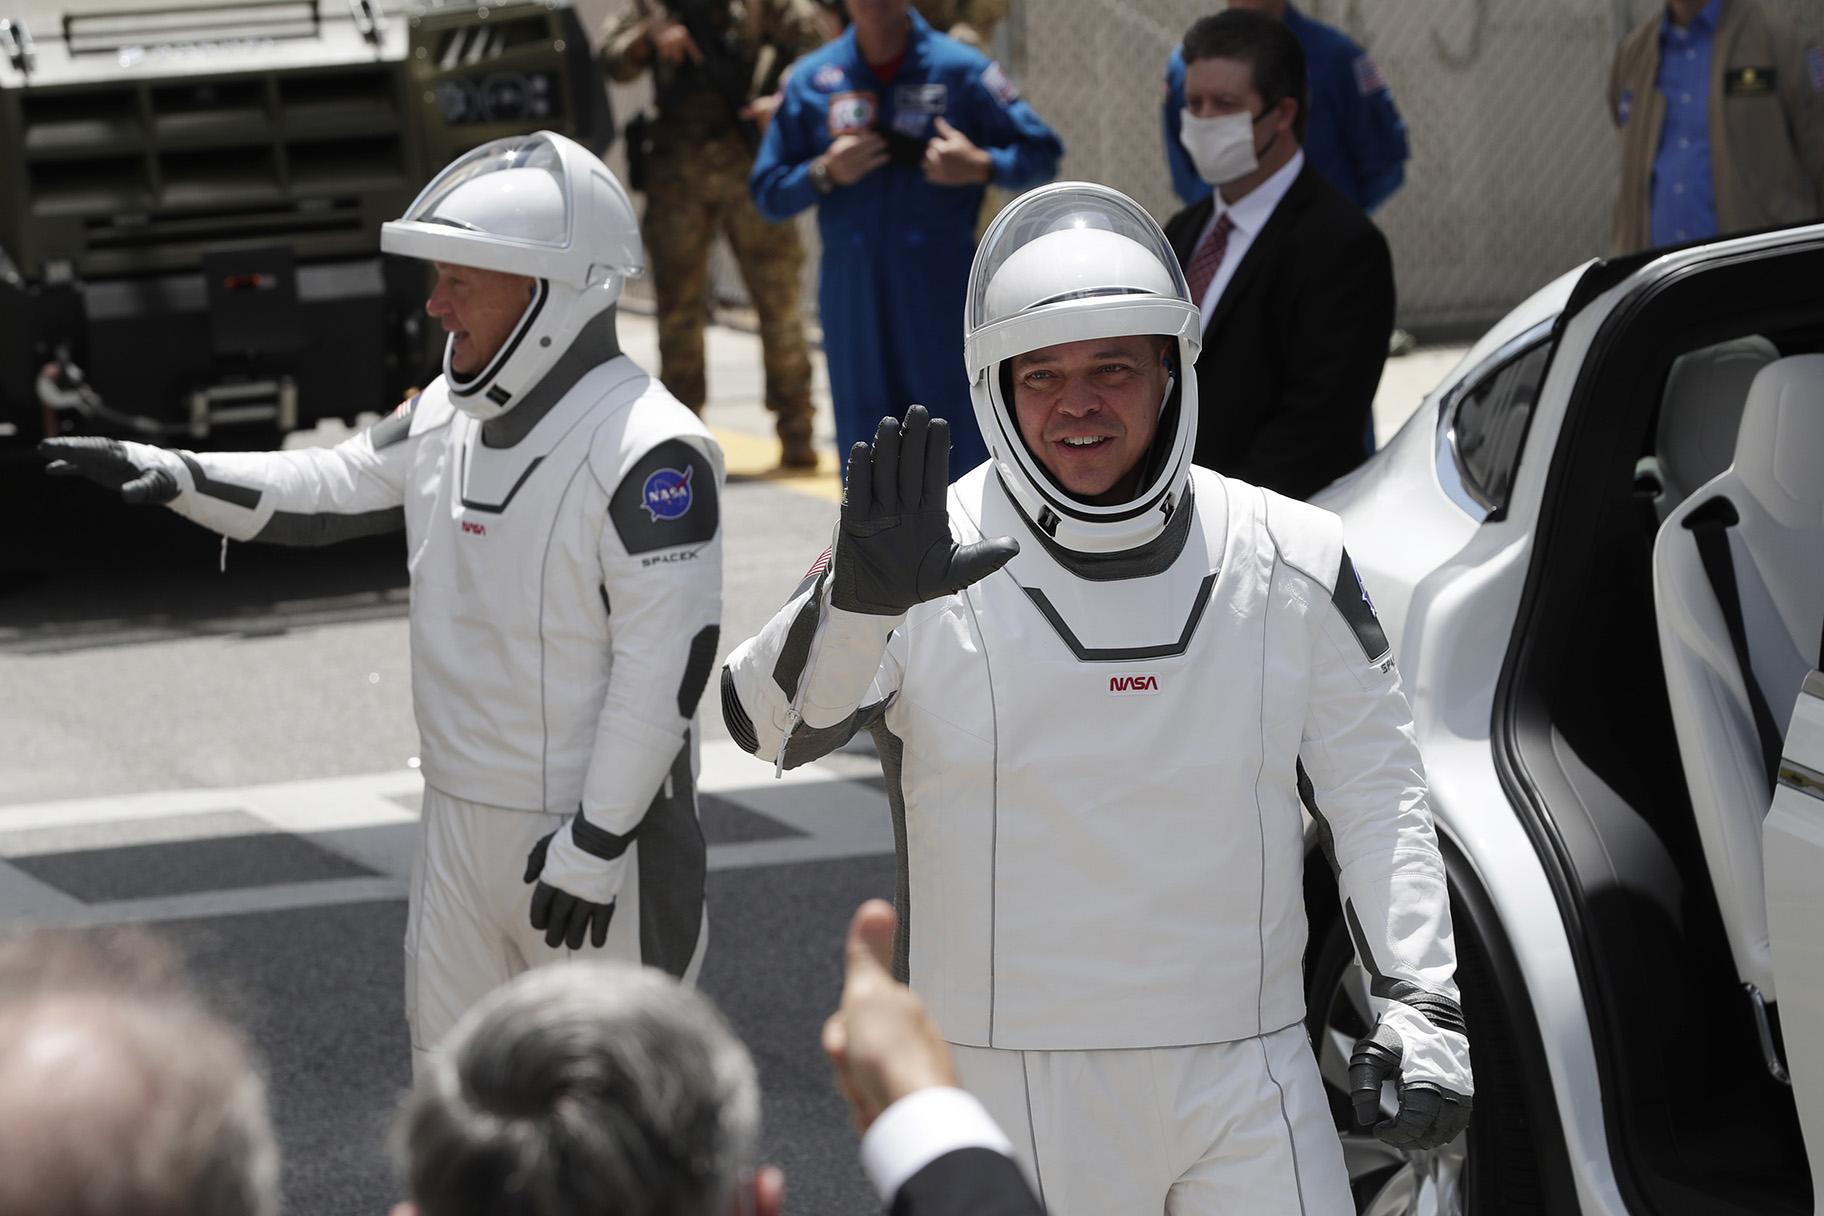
566, 919
138, 472
1429, 1115
893, 544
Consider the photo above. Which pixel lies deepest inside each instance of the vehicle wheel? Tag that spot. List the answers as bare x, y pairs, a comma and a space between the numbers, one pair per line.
1491, 1167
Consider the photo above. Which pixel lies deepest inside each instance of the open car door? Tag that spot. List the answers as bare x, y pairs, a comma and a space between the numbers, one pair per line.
1794, 854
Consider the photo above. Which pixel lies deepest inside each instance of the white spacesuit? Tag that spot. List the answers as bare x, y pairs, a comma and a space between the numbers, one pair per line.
1091, 756
561, 516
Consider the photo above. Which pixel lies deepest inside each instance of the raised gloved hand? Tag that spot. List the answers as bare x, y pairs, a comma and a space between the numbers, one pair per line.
1419, 1044
893, 544
578, 870
139, 471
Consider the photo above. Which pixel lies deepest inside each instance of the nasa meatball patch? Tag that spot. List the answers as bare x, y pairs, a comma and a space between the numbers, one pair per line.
829, 78
667, 500
666, 494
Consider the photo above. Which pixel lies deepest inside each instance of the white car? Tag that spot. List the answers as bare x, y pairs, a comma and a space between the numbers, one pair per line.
1617, 491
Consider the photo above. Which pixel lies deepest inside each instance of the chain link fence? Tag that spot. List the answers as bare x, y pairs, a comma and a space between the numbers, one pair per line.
1513, 163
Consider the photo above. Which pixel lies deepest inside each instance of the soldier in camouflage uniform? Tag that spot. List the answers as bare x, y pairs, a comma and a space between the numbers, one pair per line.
695, 181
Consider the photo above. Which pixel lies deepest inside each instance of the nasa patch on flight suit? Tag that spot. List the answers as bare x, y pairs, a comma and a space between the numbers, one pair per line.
851, 113
930, 98
916, 105
1749, 82
666, 500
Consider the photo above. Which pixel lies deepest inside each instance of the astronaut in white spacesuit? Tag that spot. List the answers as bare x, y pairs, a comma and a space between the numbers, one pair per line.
561, 518
1091, 713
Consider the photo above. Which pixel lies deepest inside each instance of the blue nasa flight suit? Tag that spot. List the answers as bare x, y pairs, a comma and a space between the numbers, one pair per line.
897, 249
1681, 200
1354, 137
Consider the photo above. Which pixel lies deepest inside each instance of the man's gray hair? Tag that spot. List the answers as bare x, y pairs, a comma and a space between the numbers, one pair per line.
583, 1087
119, 1094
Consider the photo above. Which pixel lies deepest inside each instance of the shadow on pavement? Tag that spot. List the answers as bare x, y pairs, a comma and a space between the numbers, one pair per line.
83, 570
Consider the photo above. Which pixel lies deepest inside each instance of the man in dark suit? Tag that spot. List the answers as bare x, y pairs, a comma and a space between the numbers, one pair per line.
929, 1147
1294, 282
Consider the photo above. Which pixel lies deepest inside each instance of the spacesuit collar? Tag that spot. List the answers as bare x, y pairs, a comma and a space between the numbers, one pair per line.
595, 345
1156, 556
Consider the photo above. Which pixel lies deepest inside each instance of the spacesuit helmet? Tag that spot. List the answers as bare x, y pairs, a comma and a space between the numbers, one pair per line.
1065, 263
538, 205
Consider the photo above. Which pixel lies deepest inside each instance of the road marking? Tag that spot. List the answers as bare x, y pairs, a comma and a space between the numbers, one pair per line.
372, 820
753, 459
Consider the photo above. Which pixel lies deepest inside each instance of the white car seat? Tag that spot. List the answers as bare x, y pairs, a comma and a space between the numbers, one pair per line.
1767, 509
1701, 413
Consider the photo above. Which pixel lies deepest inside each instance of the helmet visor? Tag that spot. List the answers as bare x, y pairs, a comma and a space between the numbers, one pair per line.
511, 190
1071, 262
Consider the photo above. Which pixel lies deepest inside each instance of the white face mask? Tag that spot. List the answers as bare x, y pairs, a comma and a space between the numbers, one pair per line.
1221, 148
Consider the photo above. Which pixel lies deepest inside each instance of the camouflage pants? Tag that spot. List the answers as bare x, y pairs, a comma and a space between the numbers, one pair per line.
693, 193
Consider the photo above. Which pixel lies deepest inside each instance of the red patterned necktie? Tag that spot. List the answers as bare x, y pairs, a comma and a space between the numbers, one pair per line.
1208, 257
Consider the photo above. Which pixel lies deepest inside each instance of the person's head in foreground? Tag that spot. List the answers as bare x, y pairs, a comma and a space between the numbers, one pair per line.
1080, 338
587, 1088
533, 239
119, 1095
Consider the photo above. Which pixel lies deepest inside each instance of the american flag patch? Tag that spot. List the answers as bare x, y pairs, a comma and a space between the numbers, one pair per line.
820, 565
1814, 68
996, 82
1368, 78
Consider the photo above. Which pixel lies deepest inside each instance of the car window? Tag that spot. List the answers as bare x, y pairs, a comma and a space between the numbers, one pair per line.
1489, 422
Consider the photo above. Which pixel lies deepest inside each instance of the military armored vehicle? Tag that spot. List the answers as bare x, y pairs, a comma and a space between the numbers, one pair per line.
193, 190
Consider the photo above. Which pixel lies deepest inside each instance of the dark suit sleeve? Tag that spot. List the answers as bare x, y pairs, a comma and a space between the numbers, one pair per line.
1335, 331
968, 1182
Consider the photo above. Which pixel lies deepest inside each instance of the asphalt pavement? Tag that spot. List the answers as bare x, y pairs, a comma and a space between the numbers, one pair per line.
219, 742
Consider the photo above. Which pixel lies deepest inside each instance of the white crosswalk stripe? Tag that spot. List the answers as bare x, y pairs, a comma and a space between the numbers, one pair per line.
822, 812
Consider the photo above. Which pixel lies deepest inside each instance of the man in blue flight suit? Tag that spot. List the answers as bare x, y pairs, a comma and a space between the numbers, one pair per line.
893, 131
1354, 137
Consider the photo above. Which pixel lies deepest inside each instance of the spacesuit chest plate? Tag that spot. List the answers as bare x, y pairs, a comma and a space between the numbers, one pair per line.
1137, 856
509, 627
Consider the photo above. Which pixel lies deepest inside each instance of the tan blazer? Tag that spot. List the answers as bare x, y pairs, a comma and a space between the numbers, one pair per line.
1766, 123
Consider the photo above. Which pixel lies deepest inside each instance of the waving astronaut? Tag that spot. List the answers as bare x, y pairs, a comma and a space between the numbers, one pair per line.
1091, 714
561, 517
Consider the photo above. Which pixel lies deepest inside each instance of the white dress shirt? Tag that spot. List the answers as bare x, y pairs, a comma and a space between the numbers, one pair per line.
1248, 215
920, 1128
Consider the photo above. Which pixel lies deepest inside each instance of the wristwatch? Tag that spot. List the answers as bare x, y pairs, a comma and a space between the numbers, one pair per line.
821, 181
